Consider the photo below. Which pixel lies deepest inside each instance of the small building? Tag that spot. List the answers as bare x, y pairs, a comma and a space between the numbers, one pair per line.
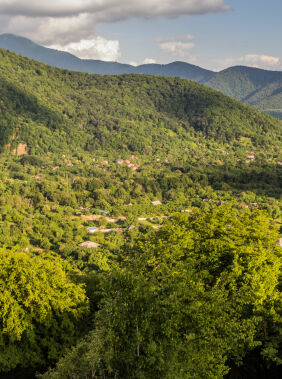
102, 211
157, 202
92, 229
244, 205
69, 164
55, 168
38, 176
89, 245
251, 156
119, 161
186, 210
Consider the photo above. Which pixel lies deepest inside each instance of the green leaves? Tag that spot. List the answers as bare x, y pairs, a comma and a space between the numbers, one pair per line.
190, 301
39, 310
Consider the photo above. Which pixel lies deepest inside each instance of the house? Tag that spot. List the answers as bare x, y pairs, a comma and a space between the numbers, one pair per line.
157, 202
129, 165
251, 156
38, 176
89, 245
244, 205
103, 211
92, 229
69, 164
119, 161
186, 210
55, 168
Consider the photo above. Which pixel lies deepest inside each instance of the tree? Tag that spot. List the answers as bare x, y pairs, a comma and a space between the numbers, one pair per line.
39, 310
191, 301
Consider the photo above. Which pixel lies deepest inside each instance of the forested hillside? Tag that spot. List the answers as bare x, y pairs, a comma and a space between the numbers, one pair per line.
90, 112
259, 88
140, 228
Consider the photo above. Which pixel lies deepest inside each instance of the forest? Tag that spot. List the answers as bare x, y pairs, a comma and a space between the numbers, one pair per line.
140, 228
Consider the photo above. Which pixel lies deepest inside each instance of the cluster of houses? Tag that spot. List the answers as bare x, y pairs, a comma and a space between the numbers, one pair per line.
127, 164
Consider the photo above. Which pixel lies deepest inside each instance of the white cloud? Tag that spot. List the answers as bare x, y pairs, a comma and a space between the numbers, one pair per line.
64, 22
96, 48
112, 9
262, 61
266, 62
179, 46
72, 20
186, 37
133, 63
149, 61
50, 30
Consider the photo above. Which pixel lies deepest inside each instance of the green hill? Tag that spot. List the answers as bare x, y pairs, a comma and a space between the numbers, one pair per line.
135, 203
260, 88
49, 109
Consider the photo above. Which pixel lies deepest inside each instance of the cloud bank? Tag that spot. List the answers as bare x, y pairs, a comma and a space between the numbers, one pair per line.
66, 21
71, 25
96, 48
266, 62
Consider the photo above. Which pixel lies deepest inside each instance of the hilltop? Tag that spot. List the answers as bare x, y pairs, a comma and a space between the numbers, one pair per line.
256, 87
48, 109
62, 59
259, 88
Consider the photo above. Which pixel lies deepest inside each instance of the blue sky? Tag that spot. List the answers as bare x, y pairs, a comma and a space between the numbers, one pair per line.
207, 33
254, 27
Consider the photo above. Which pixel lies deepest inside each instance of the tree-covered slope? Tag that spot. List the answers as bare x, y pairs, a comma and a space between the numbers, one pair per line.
48, 109
259, 88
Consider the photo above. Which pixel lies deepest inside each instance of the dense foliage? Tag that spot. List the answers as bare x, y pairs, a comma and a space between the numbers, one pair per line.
190, 301
257, 87
52, 110
180, 186
39, 310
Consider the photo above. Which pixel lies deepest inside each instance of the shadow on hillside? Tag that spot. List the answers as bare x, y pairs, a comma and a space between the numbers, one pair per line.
18, 102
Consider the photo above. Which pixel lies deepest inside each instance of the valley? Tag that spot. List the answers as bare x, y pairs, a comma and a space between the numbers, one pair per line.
140, 219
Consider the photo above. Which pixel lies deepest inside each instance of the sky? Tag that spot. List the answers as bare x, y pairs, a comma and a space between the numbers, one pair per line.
213, 34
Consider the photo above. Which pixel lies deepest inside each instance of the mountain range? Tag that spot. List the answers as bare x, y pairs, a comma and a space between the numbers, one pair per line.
45, 109
259, 88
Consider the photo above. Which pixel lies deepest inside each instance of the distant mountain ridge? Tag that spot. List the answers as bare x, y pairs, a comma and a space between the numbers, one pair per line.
259, 88
62, 59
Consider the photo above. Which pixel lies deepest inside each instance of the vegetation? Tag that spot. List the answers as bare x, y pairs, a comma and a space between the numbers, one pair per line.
257, 87
182, 189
